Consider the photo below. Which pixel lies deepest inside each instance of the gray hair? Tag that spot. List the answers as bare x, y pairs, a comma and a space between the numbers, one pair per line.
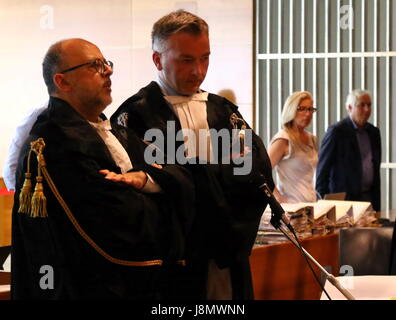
354, 96
52, 60
290, 106
174, 22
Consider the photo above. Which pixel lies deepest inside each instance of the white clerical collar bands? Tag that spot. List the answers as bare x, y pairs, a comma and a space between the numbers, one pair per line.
202, 96
101, 124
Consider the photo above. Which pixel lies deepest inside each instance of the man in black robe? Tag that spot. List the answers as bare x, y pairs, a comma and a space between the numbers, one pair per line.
229, 204
121, 228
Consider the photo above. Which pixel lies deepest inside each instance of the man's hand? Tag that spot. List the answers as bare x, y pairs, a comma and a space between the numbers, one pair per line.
136, 179
246, 151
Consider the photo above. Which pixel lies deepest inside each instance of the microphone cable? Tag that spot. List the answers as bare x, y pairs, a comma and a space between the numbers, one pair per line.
299, 246
277, 218
278, 214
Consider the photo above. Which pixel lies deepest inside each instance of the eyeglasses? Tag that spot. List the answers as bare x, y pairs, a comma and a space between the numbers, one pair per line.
98, 64
309, 109
361, 105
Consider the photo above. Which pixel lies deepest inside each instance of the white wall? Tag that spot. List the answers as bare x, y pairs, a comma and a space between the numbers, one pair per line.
121, 29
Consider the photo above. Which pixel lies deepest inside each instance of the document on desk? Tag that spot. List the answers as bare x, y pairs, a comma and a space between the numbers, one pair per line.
363, 288
356, 210
321, 209
323, 216
343, 212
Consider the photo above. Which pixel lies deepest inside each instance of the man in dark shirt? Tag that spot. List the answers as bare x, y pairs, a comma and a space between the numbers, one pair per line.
350, 154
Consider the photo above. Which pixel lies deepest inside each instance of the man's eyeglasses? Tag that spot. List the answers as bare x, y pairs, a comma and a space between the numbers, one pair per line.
362, 105
98, 64
309, 109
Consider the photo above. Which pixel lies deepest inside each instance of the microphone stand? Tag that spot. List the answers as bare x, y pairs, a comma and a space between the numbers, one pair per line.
333, 280
277, 217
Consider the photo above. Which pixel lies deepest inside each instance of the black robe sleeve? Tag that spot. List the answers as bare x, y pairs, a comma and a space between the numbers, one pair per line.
229, 207
125, 223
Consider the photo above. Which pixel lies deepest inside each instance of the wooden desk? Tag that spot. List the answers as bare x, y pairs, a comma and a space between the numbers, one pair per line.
6, 203
280, 272
2, 184
5, 280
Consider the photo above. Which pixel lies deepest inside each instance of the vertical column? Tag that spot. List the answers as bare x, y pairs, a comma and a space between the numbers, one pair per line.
268, 73
279, 63
256, 65
338, 71
350, 51
314, 67
387, 105
302, 85
375, 61
291, 46
257, 114
363, 43
326, 67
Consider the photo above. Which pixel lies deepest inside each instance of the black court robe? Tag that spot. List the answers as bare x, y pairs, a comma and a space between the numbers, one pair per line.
125, 223
229, 207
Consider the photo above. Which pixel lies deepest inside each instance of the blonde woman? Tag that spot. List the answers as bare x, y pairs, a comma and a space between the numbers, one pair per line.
293, 151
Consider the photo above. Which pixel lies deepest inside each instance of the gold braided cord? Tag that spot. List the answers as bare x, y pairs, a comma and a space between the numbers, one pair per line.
181, 262
25, 196
78, 227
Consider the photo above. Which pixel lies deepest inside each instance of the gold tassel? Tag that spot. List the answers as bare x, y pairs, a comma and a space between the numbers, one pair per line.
35, 205
39, 201
25, 196
181, 262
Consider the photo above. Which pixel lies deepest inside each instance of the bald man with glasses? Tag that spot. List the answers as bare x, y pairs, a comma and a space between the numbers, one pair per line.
24, 127
101, 222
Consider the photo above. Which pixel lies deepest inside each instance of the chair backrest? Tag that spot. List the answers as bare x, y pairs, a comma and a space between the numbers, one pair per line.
392, 262
366, 250
335, 196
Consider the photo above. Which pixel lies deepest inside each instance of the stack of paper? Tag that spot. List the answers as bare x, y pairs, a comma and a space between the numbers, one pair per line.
269, 237
353, 213
363, 214
343, 212
317, 218
300, 216
267, 234
324, 217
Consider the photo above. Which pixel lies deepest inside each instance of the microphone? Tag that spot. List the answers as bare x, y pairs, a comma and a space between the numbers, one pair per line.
277, 212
